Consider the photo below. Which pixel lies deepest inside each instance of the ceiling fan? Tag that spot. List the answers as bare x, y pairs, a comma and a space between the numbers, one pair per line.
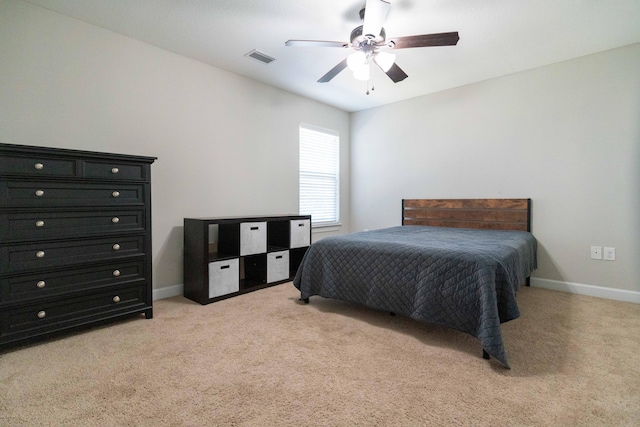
369, 38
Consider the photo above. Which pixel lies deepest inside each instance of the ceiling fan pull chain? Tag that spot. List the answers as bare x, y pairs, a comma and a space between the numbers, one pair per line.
371, 73
370, 80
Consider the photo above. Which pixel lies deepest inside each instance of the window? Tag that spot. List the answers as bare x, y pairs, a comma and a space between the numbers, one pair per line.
319, 175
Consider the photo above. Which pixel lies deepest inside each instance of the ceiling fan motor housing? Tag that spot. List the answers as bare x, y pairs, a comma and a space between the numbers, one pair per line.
358, 40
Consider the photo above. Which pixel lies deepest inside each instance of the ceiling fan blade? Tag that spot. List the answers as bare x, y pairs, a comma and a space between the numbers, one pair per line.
334, 71
395, 73
375, 12
315, 43
424, 40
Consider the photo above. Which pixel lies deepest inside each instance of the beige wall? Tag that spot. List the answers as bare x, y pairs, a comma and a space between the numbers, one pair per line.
226, 145
566, 135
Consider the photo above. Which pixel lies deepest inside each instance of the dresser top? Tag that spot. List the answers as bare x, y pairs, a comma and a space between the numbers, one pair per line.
65, 152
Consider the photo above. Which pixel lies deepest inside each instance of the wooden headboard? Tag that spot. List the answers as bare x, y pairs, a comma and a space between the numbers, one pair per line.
492, 214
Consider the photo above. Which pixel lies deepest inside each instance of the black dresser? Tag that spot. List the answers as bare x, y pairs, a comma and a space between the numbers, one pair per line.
75, 239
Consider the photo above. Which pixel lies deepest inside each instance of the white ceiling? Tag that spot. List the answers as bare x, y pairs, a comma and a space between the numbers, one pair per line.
497, 37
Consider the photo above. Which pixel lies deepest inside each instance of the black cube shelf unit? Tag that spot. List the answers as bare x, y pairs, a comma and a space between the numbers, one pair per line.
225, 257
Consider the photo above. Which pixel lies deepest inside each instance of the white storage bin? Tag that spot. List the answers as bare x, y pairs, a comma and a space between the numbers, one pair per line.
300, 233
253, 238
224, 277
277, 266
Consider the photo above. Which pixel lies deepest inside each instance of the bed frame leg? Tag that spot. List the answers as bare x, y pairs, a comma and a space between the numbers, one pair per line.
485, 355
391, 313
528, 281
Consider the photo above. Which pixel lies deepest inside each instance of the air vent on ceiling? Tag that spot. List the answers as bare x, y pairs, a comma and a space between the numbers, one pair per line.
259, 56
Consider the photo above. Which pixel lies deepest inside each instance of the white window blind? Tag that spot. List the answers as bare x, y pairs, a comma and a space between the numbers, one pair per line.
319, 175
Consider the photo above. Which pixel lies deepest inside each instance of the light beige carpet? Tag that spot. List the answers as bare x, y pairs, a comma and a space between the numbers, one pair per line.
265, 359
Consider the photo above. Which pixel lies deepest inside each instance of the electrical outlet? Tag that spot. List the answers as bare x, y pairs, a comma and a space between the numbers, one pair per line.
610, 254
596, 252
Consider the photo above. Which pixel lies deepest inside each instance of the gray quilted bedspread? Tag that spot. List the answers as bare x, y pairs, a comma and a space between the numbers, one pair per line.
460, 278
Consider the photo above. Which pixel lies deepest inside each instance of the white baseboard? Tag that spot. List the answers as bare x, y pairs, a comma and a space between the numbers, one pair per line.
168, 292
590, 290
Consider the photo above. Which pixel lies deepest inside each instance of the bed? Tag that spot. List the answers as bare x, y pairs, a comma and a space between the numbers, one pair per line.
453, 262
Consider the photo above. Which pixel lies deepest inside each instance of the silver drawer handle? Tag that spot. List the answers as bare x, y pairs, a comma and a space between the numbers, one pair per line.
115, 220
38, 166
116, 299
116, 247
42, 314
115, 170
40, 254
116, 273
116, 194
41, 284
39, 223
39, 193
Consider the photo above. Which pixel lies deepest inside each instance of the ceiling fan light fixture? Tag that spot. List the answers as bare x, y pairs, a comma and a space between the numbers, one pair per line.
362, 73
385, 60
356, 61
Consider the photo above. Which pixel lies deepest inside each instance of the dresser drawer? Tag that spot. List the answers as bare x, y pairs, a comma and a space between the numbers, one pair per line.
35, 166
115, 170
48, 194
49, 283
78, 223
21, 258
48, 316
